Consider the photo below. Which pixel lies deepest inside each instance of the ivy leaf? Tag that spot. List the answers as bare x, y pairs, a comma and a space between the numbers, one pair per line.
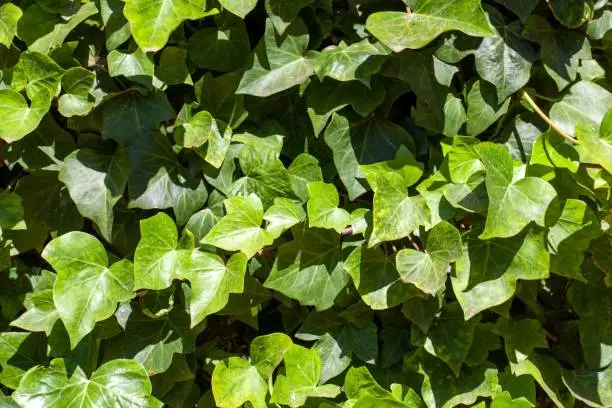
212, 282
239, 7
302, 373
483, 107
359, 385
96, 181
18, 353
591, 387
283, 13
396, 214
547, 372
376, 278
202, 128
404, 165
280, 64
152, 21
334, 359
520, 337
158, 180
426, 21
302, 171
586, 103
487, 272
41, 314
282, 215
596, 147
267, 352
505, 59
224, 48
77, 82
561, 51
572, 13
173, 68
512, 204
522, 8
346, 63
9, 16
235, 381
240, 229
216, 95
427, 270
158, 259
323, 211
118, 382
86, 290
136, 65
310, 268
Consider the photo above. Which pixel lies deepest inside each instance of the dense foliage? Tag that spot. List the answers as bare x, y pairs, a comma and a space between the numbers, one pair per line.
323, 203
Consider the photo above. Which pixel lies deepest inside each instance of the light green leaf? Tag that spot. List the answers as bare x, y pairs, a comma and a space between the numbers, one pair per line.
9, 16
158, 260
585, 103
203, 128
334, 359
217, 96
282, 215
303, 170
547, 372
267, 352
551, 150
427, 20
212, 282
427, 270
77, 82
240, 229
487, 272
135, 65
96, 181
404, 165
18, 353
323, 211
596, 147
152, 21
505, 59
302, 373
309, 268
120, 383
116, 26
41, 314
86, 290
512, 204
376, 278
239, 7
396, 214
280, 63
235, 381
358, 61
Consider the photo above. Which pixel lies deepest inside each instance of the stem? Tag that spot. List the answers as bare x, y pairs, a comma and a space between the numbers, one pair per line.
546, 119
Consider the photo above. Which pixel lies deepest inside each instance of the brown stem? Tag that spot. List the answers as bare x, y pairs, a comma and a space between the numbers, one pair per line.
590, 166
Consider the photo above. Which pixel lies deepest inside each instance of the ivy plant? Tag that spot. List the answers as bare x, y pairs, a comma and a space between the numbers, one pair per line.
305, 203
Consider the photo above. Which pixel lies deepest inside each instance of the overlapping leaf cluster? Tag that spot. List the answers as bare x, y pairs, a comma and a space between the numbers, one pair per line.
376, 203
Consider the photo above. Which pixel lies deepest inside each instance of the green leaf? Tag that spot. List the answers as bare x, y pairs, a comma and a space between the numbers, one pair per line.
427, 20
41, 314
484, 108
304, 169
302, 373
346, 63
323, 211
116, 26
595, 147
172, 67
86, 290
235, 381
158, 259
591, 387
283, 13
404, 165
96, 181
427, 270
376, 278
152, 21
522, 8
586, 103
520, 337
135, 65
571, 13
280, 63
396, 214
18, 353
9, 16
267, 352
222, 49
512, 204
118, 383
239, 7
157, 180
217, 96
487, 272
505, 59
77, 83
310, 269
212, 282
282, 215
240, 229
